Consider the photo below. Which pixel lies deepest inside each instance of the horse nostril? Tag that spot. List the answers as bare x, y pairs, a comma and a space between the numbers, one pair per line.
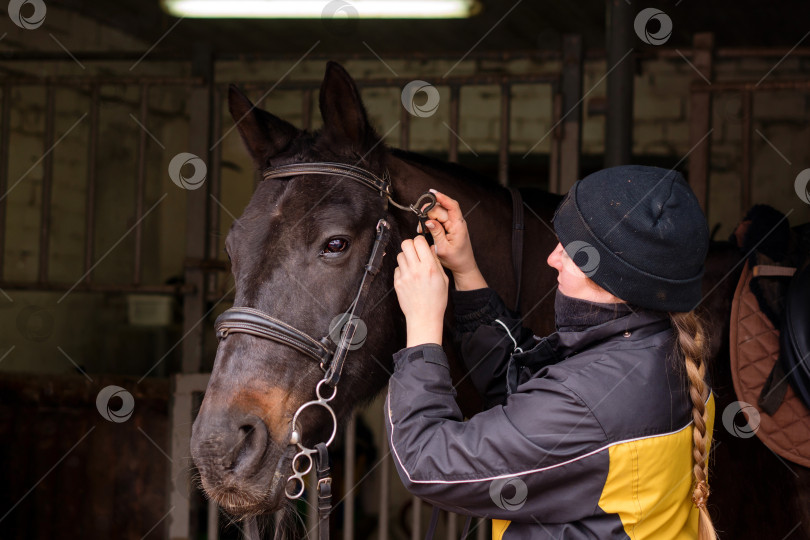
246, 430
250, 445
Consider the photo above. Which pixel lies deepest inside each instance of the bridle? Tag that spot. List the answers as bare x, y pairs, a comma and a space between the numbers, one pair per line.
330, 356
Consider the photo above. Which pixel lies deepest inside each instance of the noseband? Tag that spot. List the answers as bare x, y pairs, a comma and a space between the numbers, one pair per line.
330, 356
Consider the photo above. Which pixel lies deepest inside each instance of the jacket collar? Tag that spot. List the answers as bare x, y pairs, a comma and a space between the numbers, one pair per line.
633, 326
560, 345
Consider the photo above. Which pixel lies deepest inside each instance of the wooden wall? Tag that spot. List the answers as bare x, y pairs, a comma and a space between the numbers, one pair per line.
66, 472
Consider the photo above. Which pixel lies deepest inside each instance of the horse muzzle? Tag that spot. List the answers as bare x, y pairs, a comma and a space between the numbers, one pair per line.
242, 468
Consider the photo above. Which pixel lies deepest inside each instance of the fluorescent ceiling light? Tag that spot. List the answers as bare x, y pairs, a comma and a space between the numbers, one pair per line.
322, 9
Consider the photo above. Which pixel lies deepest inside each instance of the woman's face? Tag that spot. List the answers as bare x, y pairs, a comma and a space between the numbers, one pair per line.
573, 282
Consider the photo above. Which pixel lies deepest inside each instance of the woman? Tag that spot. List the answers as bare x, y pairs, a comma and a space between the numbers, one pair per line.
600, 430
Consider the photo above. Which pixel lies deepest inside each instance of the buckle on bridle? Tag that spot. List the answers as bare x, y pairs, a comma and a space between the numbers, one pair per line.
325, 482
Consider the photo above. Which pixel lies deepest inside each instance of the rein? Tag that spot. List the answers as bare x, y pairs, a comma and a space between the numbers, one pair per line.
331, 357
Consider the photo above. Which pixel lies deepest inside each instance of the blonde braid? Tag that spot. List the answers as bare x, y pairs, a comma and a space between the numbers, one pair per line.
693, 346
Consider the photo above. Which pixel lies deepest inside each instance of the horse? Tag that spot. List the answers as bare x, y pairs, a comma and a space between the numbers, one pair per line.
298, 252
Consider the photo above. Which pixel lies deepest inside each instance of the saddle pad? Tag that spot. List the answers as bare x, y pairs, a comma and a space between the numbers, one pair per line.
754, 345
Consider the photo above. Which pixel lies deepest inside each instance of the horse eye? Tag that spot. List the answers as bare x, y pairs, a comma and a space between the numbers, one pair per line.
335, 245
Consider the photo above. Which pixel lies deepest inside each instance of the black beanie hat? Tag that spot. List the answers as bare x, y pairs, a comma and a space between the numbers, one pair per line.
639, 233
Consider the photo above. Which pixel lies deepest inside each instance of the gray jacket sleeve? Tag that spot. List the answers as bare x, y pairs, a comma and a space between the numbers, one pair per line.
484, 344
530, 459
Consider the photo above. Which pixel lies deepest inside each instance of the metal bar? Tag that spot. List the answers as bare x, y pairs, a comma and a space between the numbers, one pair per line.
213, 520
700, 120
306, 111
416, 518
594, 53
97, 287
503, 148
5, 144
349, 463
90, 200
140, 185
452, 526
745, 180
181, 415
215, 185
47, 185
404, 128
455, 105
554, 181
387, 82
199, 142
482, 55
700, 86
571, 143
481, 532
619, 118
61, 81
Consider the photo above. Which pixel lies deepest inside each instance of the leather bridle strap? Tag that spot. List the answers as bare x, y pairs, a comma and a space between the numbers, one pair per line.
324, 474
246, 320
372, 268
367, 178
358, 174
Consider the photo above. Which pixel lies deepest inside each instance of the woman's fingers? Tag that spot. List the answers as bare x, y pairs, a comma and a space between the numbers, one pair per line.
451, 205
439, 213
409, 253
423, 250
437, 232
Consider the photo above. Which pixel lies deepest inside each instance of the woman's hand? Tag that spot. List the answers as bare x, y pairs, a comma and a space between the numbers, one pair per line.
452, 241
421, 286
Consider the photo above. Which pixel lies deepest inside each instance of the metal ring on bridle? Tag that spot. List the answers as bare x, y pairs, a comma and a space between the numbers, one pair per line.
298, 476
296, 439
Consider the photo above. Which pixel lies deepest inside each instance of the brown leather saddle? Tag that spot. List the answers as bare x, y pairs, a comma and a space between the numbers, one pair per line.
770, 331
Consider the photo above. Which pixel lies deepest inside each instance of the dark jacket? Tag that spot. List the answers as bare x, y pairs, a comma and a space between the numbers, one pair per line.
586, 434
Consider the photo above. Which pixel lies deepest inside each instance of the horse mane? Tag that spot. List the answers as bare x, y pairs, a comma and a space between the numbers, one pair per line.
445, 167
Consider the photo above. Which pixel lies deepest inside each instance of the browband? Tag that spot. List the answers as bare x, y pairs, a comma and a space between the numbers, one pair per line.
367, 178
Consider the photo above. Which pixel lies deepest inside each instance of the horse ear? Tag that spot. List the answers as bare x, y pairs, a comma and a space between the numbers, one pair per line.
264, 134
344, 117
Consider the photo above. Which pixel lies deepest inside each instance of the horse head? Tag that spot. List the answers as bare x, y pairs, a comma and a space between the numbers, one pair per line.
297, 254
